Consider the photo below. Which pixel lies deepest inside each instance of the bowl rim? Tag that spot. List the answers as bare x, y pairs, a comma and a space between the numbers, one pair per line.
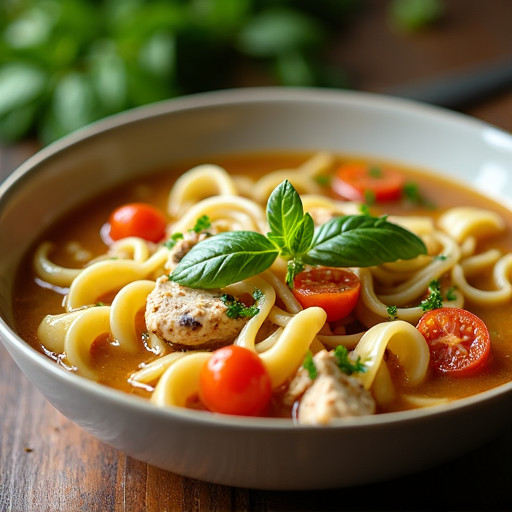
220, 98
247, 95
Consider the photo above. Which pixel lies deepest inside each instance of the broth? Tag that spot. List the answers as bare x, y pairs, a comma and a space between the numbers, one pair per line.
81, 228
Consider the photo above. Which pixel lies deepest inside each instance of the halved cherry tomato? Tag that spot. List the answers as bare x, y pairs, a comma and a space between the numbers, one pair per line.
359, 181
459, 341
235, 381
137, 219
335, 290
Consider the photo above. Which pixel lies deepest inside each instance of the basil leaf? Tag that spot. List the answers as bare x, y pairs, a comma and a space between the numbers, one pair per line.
302, 235
224, 259
362, 241
284, 212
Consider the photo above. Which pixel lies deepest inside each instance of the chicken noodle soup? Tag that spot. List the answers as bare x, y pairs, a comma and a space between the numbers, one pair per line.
312, 287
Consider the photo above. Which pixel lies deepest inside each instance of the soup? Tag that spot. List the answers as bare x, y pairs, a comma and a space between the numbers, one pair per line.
306, 286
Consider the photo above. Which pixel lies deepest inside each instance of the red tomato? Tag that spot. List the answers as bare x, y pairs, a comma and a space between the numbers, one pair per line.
360, 182
235, 381
459, 341
137, 219
335, 290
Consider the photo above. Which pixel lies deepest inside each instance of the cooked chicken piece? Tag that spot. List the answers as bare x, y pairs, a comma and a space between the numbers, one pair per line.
332, 394
182, 247
187, 316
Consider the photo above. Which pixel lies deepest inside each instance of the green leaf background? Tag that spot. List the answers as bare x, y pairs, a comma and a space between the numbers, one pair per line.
66, 63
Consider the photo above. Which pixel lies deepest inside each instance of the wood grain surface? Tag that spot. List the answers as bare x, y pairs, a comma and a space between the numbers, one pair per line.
49, 464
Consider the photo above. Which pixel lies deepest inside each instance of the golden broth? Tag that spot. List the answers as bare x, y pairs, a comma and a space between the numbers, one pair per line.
33, 299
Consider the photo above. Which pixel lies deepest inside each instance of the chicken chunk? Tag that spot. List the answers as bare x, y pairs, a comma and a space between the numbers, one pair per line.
182, 247
332, 394
189, 317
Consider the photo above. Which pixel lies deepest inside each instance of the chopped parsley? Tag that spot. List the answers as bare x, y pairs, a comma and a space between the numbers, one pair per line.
434, 299
412, 195
173, 240
257, 294
323, 180
309, 365
202, 224
450, 293
345, 364
369, 197
392, 312
364, 209
375, 171
237, 309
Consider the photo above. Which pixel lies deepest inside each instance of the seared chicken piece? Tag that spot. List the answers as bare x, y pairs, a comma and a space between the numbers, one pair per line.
332, 394
182, 247
187, 316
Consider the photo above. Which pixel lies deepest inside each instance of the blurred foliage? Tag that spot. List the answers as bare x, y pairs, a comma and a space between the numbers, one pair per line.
66, 63
411, 15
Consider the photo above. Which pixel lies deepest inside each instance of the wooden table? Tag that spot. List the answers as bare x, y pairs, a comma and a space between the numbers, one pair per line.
49, 464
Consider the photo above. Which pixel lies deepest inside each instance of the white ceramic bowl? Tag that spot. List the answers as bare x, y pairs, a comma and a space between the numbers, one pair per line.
256, 453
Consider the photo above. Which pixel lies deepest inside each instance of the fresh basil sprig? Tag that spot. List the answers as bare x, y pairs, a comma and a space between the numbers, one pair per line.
347, 241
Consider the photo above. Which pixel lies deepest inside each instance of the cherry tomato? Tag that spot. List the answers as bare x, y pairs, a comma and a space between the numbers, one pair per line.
137, 219
459, 341
360, 182
335, 290
235, 381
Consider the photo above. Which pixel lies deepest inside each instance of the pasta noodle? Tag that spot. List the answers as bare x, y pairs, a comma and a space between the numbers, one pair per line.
108, 297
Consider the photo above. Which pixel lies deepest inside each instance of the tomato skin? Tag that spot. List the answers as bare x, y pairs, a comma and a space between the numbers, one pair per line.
458, 340
335, 290
356, 181
235, 381
137, 219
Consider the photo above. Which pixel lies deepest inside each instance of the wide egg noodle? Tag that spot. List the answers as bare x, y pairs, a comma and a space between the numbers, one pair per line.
49, 271
82, 333
401, 338
125, 306
232, 213
198, 183
110, 275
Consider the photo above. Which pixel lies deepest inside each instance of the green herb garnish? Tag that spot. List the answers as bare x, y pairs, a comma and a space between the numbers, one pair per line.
237, 309
173, 240
309, 365
257, 294
369, 197
347, 241
392, 312
434, 299
412, 196
202, 224
364, 209
323, 180
345, 364
450, 293
375, 171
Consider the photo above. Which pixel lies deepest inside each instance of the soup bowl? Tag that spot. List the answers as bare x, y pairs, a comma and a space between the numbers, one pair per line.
264, 453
